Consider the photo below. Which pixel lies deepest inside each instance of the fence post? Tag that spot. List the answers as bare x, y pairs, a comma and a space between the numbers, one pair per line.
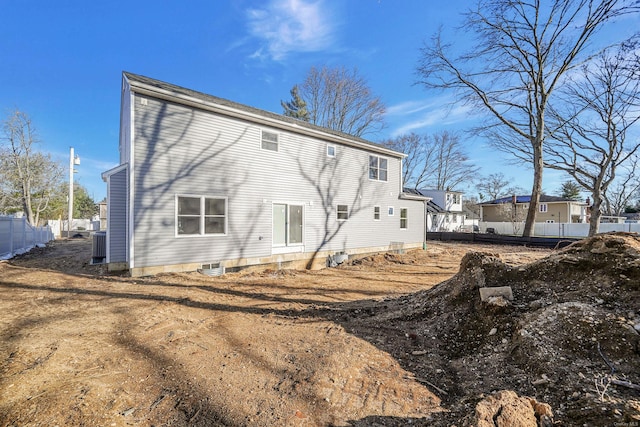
10, 237
24, 232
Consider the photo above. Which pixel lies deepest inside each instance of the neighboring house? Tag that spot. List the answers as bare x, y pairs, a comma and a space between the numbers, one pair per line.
444, 211
208, 183
551, 209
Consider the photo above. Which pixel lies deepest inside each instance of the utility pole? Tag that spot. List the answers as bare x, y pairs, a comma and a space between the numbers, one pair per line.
73, 160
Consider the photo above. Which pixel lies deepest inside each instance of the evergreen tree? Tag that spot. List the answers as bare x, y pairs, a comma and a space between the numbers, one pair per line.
570, 190
297, 107
83, 205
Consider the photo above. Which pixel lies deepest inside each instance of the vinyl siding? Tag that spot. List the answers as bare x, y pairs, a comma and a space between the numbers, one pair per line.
118, 216
125, 123
179, 150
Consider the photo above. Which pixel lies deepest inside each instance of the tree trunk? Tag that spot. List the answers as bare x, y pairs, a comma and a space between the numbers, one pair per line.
596, 213
26, 204
536, 191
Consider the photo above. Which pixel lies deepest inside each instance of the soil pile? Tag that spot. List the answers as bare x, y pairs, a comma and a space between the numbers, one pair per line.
569, 337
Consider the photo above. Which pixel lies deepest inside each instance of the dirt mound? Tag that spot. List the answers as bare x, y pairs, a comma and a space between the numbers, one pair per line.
507, 409
382, 259
569, 337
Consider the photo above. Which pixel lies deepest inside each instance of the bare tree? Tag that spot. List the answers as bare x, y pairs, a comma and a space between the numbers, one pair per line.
339, 99
590, 140
451, 165
414, 167
626, 188
512, 213
29, 177
438, 161
495, 186
523, 51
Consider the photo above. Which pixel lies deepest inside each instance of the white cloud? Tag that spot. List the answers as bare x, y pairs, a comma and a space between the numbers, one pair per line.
410, 116
287, 26
408, 107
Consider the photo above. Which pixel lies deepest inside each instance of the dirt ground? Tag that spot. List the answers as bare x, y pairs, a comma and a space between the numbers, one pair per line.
371, 343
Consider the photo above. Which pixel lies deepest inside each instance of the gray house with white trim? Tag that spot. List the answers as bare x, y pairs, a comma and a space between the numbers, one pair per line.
203, 180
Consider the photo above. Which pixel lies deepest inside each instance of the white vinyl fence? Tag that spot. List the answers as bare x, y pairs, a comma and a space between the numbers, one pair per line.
17, 236
556, 229
61, 228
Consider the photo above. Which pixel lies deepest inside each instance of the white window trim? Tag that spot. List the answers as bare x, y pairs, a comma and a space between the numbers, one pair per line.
335, 151
390, 211
202, 216
338, 211
277, 143
543, 208
406, 218
378, 168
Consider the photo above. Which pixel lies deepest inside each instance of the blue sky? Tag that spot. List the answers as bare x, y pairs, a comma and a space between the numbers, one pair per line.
61, 62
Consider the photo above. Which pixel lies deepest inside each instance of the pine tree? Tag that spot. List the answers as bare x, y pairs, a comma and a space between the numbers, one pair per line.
570, 190
297, 107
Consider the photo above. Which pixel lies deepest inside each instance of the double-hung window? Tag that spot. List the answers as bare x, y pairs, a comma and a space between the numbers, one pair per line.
404, 217
269, 141
377, 168
342, 212
376, 213
201, 215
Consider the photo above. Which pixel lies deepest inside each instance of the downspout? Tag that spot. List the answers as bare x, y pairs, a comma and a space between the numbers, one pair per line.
424, 241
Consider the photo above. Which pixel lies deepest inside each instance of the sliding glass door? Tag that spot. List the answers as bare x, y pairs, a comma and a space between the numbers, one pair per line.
288, 223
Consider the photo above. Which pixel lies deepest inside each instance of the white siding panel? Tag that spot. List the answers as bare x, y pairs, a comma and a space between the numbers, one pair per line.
179, 150
118, 216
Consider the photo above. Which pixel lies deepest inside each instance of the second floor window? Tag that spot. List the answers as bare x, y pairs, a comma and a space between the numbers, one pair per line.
269, 141
377, 168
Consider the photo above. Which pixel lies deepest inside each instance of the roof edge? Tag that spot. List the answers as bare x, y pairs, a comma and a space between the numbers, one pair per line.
170, 92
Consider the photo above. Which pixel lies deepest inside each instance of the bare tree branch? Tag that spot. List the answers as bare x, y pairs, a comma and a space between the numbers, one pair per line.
437, 162
29, 177
589, 137
523, 52
339, 99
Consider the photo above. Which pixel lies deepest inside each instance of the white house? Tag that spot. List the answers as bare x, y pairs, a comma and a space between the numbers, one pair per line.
205, 181
444, 211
